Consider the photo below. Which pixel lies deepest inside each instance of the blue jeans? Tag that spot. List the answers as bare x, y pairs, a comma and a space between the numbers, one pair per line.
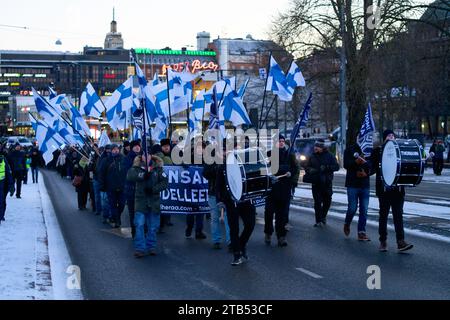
215, 222
34, 174
105, 205
355, 195
97, 196
144, 242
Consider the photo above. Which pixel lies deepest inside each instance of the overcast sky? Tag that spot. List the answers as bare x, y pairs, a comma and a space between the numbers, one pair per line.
143, 23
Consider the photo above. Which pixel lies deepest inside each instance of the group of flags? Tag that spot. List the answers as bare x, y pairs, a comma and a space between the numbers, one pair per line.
155, 103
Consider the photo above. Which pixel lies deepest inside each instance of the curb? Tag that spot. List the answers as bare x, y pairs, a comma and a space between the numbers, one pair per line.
59, 257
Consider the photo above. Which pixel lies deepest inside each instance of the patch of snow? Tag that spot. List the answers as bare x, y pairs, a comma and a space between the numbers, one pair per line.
412, 208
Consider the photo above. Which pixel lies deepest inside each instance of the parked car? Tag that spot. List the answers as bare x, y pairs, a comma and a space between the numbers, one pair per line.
23, 141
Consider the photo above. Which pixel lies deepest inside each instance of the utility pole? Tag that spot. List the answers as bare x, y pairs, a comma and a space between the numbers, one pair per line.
342, 85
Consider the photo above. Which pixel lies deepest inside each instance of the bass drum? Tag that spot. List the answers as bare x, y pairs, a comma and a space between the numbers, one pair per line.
247, 174
402, 163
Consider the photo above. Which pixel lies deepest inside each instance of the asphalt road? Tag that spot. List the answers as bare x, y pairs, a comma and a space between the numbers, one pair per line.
317, 264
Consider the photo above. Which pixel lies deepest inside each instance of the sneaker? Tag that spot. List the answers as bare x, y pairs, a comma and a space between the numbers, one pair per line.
188, 233
237, 261
346, 230
319, 225
244, 256
2, 219
403, 246
362, 236
18, 197
268, 239
282, 242
200, 236
116, 225
217, 246
139, 254
383, 246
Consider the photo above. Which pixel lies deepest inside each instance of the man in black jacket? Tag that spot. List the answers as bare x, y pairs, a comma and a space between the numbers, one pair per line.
357, 182
17, 162
389, 197
279, 197
321, 167
112, 179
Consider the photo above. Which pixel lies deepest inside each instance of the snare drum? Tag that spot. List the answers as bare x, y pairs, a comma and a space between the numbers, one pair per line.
247, 174
402, 163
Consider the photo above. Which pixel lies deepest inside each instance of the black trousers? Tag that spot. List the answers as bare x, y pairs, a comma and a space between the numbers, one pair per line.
82, 196
322, 200
247, 212
279, 208
438, 166
18, 178
394, 200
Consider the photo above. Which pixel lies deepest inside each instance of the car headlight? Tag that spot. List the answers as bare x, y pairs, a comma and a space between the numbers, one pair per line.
302, 158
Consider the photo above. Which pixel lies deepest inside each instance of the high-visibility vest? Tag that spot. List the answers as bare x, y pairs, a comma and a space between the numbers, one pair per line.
28, 163
2, 170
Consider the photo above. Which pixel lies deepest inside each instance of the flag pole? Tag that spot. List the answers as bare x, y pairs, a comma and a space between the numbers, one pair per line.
268, 111
203, 112
168, 100
265, 86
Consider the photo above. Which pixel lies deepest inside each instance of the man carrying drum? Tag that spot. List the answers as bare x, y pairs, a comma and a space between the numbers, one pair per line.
389, 197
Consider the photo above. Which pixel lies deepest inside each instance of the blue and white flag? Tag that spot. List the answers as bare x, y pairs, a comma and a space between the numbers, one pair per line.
365, 136
104, 139
90, 103
48, 140
118, 104
233, 109
79, 124
301, 122
276, 81
44, 108
57, 103
33, 121
243, 88
66, 132
52, 94
198, 107
213, 112
294, 78
155, 80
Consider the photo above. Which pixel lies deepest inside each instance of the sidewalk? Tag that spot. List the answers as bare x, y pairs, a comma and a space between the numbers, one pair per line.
33, 254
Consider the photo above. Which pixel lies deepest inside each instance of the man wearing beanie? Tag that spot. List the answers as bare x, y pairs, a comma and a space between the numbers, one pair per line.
130, 187
389, 197
320, 170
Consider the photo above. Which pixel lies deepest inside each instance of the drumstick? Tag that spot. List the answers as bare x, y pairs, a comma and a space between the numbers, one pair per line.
222, 214
356, 156
286, 175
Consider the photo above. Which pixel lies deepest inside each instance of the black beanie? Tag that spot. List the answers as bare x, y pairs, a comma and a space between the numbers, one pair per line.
135, 143
386, 133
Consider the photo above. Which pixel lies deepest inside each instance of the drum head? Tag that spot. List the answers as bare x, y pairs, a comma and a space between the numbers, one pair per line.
389, 163
234, 176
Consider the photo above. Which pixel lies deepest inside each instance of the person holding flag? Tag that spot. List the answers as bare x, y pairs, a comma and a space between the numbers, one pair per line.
357, 180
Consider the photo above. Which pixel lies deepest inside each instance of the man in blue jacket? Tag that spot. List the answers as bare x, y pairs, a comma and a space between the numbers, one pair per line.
17, 162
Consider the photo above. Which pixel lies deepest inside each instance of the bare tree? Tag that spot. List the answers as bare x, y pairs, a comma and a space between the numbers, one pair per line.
315, 24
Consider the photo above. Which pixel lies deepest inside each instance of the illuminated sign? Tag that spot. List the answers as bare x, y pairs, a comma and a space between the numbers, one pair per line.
193, 67
175, 52
26, 92
40, 75
4, 84
5, 93
27, 75
4, 102
109, 76
14, 84
12, 75
25, 109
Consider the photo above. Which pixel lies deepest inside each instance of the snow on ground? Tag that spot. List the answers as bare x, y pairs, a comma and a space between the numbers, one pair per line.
26, 263
411, 208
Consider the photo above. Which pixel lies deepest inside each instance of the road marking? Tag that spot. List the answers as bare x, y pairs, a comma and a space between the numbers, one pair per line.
309, 273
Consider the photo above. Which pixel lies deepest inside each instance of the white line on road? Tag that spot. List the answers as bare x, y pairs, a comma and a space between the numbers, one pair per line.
309, 273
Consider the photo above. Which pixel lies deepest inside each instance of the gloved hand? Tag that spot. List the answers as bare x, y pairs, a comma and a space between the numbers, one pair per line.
12, 189
359, 161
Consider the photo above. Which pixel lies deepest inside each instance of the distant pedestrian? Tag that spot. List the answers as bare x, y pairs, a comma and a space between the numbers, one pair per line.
81, 182
36, 161
130, 186
320, 168
6, 185
165, 155
61, 164
17, 162
438, 150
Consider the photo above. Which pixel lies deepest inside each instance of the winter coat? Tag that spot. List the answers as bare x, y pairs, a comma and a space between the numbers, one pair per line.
281, 188
112, 174
129, 185
17, 162
83, 171
211, 173
8, 182
354, 177
148, 185
321, 168
36, 159
167, 160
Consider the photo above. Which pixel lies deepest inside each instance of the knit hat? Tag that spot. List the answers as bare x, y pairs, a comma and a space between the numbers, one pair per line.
165, 142
135, 143
156, 148
386, 133
281, 137
320, 143
126, 143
